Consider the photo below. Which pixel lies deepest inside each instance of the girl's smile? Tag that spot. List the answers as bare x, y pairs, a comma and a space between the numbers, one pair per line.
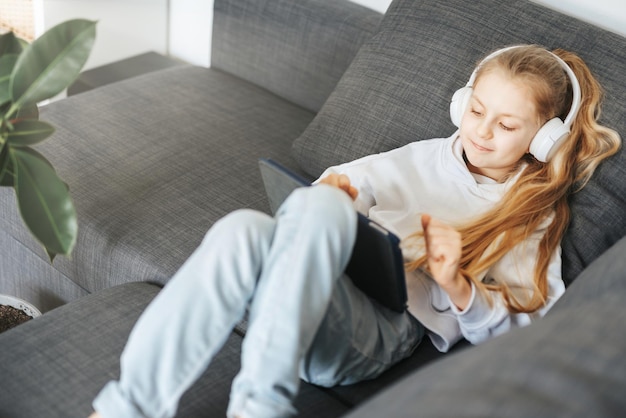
480, 148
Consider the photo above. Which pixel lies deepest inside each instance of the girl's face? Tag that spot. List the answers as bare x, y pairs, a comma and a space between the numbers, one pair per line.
498, 125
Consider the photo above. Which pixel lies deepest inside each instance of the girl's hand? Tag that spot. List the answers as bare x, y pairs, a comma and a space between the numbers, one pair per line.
343, 182
443, 247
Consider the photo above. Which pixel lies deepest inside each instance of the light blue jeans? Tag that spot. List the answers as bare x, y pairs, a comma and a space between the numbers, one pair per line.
306, 319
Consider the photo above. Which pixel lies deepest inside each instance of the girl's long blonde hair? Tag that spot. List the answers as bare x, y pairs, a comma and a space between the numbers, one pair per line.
541, 191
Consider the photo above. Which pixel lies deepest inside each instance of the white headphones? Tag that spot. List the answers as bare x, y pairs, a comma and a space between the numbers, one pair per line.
550, 135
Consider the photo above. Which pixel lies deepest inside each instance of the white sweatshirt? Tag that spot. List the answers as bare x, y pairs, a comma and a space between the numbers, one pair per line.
396, 187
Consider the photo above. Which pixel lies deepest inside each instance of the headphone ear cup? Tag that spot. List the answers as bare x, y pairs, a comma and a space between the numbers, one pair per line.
548, 139
459, 103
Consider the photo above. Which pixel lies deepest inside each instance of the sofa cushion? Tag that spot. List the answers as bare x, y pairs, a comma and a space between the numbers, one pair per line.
151, 163
54, 366
398, 88
284, 47
570, 363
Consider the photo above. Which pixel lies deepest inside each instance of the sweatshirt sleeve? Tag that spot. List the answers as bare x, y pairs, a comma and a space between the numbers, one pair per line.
481, 320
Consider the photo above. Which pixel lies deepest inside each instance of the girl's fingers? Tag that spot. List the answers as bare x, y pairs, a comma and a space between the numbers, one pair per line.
343, 182
443, 247
442, 241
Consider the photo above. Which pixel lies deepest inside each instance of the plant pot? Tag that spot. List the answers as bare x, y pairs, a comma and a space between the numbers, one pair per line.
19, 305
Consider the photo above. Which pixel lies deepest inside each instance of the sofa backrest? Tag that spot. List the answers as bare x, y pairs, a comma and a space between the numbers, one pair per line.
398, 89
295, 49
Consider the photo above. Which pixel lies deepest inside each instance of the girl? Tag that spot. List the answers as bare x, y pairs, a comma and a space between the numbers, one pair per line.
486, 261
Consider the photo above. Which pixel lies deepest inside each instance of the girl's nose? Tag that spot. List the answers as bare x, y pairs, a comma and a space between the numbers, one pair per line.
483, 129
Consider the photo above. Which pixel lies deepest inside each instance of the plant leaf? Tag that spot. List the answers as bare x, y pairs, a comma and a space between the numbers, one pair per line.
51, 255
7, 62
29, 132
6, 176
10, 44
28, 112
44, 201
52, 62
4, 108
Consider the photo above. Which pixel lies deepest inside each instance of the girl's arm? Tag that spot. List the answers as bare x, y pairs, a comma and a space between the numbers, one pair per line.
478, 318
443, 246
481, 320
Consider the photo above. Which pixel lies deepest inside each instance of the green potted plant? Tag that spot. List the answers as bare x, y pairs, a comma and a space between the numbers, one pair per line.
30, 74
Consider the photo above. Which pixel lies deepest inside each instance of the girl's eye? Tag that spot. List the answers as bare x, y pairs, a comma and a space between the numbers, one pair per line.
506, 128
475, 112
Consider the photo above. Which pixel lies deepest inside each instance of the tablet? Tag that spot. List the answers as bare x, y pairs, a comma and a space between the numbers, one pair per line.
376, 265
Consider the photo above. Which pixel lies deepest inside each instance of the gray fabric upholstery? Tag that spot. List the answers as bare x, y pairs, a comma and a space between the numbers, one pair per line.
282, 46
53, 366
399, 86
569, 364
151, 163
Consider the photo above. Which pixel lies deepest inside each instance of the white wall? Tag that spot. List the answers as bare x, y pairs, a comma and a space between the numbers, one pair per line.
609, 14
125, 27
191, 24
378, 5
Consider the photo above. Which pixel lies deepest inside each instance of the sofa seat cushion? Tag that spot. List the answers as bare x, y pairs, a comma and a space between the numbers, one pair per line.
151, 163
54, 366
398, 89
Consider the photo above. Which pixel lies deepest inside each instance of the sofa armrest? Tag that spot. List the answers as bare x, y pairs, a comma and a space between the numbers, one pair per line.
295, 49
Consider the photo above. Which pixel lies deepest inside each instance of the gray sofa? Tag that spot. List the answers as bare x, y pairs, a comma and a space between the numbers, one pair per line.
154, 161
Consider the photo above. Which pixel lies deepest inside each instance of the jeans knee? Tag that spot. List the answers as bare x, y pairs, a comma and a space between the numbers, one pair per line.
244, 221
240, 228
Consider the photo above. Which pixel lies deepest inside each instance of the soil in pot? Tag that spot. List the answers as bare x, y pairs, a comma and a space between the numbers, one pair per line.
11, 317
